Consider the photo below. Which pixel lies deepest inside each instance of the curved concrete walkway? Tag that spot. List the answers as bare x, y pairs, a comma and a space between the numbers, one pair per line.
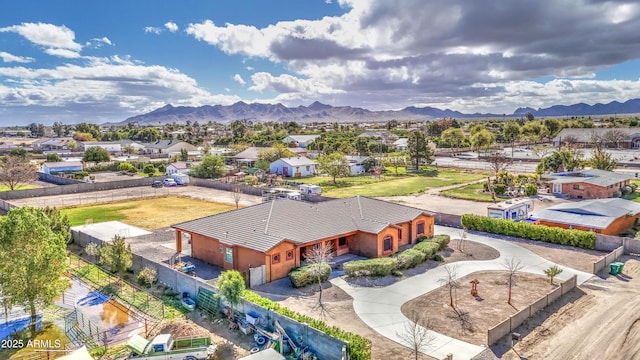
379, 308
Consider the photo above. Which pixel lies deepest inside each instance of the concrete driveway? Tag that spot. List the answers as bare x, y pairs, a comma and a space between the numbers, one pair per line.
379, 308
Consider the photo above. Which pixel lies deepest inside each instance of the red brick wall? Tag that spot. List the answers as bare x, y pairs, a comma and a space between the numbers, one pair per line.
590, 191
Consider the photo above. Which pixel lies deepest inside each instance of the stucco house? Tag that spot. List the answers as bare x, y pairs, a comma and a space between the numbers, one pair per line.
178, 167
356, 164
278, 233
604, 216
293, 167
168, 147
587, 184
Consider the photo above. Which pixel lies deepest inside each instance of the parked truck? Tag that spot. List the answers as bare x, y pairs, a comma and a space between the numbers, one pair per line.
165, 347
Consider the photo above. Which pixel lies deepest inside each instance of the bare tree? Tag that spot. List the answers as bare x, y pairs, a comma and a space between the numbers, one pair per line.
513, 266
614, 136
236, 195
498, 162
319, 257
450, 279
461, 240
16, 171
416, 334
570, 141
541, 151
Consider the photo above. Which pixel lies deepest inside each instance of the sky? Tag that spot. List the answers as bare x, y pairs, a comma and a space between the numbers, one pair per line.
105, 61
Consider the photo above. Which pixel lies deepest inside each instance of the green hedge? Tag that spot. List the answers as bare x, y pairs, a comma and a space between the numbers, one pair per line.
579, 238
370, 267
305, 275
442, 240
428, 248
409, 258
359, 347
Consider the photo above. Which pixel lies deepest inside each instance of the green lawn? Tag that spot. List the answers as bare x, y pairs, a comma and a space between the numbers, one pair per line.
469, 192
21, 187
391, 185
78, 215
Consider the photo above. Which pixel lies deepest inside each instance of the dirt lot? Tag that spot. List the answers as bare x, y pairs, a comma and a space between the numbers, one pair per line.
484, 311
597, 321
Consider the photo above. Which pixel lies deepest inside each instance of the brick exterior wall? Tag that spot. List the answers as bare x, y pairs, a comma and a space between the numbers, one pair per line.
619, 225
581, 190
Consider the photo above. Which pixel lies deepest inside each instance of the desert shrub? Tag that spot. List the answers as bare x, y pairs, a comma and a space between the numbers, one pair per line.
125, 166
370, 267
306, 275
422, 238
147, 276
500, 189
409, 258
428, 248
80, 174
579, 238
530, 189
438, 257
442, 240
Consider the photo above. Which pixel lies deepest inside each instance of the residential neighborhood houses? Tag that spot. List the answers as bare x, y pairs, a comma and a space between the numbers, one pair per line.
396, 231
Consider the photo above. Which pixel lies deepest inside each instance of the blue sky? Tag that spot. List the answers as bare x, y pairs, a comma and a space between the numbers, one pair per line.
74, 61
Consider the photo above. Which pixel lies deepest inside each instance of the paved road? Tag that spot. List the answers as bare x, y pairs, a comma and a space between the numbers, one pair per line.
379, 308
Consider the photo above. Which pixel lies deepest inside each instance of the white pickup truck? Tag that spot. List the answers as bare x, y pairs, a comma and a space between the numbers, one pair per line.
165, 347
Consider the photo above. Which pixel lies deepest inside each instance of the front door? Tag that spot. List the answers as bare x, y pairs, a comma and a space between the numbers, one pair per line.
557, 188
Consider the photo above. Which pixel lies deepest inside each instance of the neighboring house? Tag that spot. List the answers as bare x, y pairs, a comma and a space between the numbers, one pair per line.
401, 144
293, 167
277, 234
604, 216
178, 167
587, 184
111, 146
356, 164
630, 137
301, 141
61, 167
170, 147
249, 156
48, 144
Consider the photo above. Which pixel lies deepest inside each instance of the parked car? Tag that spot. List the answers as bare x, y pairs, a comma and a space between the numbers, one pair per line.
157, 183
170, 182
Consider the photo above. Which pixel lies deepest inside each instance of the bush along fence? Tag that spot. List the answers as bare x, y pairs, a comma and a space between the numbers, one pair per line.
578, 238
425, 249
498, 331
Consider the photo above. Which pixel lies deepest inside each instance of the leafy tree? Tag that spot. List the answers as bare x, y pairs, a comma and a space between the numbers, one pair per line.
92, 249
20, 152
117, 255
92, 129
511, 133
530, 189
184, 154
553, 126
129, 149
149, 169
212, 166
96, 154
534, 131
482, 140
530, 116
552, 272
16, 171
53, 157
59, 223
454, 137
277, 151
335, 165
58, 128
162, 168
148, 134
37, 130
33, 260
571, 159
603, 160
231, 285
125, 166
418, 149
72, 145
82, 136
476, 128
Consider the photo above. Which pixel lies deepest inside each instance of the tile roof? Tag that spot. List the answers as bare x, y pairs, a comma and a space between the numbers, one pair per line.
263, 226
596, 213
592, 176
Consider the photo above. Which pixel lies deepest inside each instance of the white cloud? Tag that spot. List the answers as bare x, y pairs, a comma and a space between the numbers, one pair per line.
6, 57
55, 39
152, 30
249, 68
237, 78
99, 42
171, 26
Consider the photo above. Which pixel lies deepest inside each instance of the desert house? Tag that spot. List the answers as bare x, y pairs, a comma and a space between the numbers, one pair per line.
293, 167
61, 167
621, 138
171, 147
301, 141
603, 216
278, 233
587, 184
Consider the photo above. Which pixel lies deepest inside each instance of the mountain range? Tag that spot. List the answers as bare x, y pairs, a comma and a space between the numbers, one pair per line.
318, 112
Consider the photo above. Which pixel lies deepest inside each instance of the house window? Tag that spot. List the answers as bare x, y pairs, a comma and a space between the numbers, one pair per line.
228, 255
289, 254
578, 187
420, 228
399, 233
387, 243
308, 168
342, 242
275, 259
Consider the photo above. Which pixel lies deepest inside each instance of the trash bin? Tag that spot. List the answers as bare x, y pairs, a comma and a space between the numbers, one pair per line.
615, 268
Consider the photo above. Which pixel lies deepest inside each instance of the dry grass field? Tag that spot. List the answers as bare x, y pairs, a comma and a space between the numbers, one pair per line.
149, 213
